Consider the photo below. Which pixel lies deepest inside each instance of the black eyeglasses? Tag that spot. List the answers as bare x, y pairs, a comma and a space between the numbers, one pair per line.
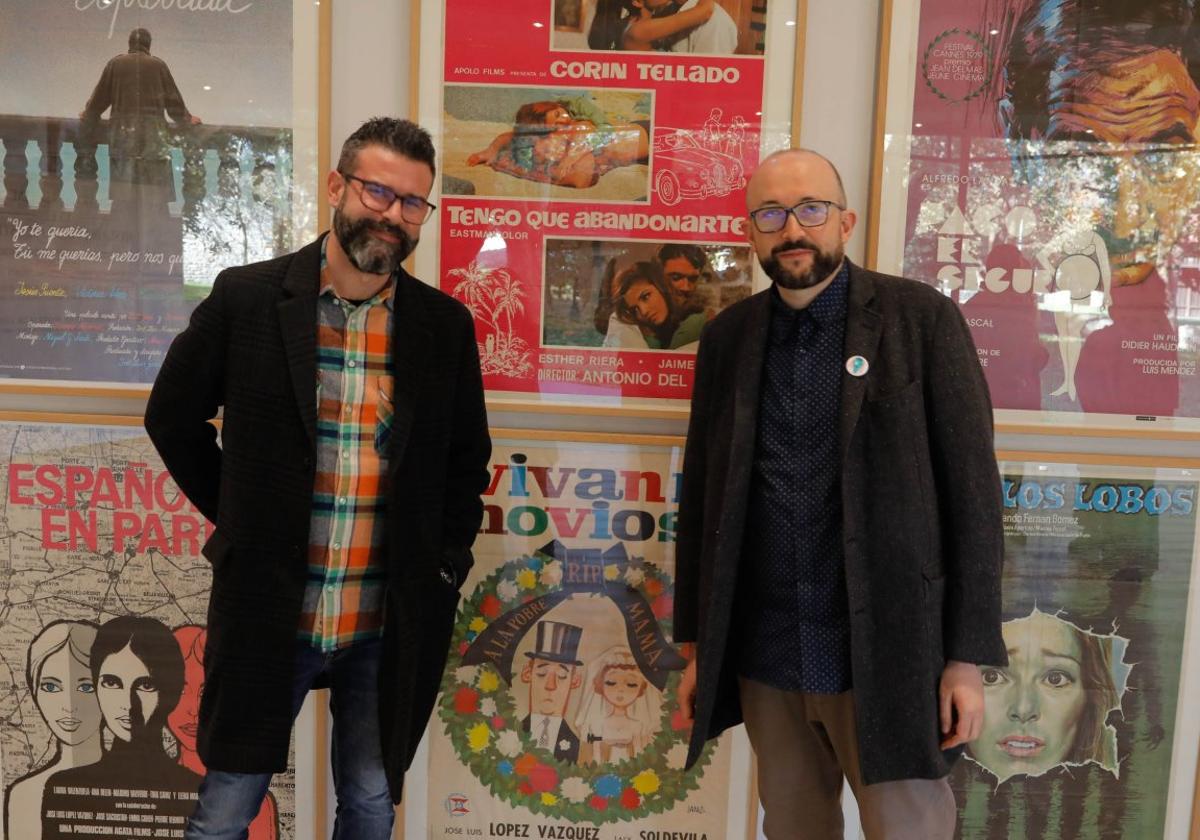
808, 213
413, 209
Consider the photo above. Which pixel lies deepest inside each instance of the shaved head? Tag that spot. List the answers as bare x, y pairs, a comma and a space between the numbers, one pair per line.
770, 161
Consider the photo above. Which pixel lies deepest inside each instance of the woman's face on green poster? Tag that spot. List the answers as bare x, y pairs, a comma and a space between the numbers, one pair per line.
1033, 707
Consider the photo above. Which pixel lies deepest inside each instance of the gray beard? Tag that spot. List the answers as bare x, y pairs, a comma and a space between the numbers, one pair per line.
823, 264
366, 253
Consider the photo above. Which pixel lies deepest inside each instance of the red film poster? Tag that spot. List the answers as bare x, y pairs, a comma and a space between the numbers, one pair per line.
593, 167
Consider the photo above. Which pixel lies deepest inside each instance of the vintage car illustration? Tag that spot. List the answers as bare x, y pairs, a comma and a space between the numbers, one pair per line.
686, 169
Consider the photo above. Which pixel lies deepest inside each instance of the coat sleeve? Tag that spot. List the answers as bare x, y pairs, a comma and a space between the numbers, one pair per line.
101, 97
467, 463
186, 395
959, 419
172, 99
691, 500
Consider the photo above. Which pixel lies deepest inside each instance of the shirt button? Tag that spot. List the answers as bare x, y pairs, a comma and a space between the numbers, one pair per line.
337, 545
352, 363
342, 500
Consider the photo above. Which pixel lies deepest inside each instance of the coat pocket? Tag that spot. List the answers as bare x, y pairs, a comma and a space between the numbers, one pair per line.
384, 414
935, 594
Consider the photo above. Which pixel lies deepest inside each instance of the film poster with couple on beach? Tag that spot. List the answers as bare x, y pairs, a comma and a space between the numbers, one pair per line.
103, 599
1039, 166
557, 715
146, 146
593, 164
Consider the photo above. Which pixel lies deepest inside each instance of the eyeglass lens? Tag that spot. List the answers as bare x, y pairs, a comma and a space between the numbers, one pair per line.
808, 214
377, 197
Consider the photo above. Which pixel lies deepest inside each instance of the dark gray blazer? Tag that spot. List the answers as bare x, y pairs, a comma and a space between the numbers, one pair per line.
921, 514
251, 347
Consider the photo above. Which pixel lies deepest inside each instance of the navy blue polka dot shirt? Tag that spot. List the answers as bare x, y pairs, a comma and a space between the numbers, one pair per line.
792, 604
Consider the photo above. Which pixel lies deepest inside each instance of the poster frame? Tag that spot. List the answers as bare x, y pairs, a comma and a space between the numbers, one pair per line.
742, 767
312, 726
425, 99
320, 102
1092, 459
891, 108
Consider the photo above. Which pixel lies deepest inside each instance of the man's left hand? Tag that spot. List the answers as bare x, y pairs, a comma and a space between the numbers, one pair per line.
960, 696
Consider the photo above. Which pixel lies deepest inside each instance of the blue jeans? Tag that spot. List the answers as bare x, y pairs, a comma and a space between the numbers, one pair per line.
229, 801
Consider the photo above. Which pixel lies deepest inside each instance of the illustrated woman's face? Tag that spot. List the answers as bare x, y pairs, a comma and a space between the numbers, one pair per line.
621, 686
646, 303
184, 719
1033, 707
66, 697
127, 692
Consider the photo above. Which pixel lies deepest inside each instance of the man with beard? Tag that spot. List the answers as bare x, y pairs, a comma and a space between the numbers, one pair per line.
345, 491
840, 540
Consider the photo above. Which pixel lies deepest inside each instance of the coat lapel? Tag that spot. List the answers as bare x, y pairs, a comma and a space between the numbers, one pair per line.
411, 342
862, 339
752, 353
298, 323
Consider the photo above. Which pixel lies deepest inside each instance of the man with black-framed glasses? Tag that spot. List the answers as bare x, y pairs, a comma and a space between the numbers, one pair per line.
840, 539
345, 491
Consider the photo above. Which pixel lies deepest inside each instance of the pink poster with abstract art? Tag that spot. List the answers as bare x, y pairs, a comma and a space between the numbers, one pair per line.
1040, 168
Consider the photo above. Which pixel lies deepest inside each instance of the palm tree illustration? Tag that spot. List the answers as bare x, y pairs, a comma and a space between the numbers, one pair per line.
494, 298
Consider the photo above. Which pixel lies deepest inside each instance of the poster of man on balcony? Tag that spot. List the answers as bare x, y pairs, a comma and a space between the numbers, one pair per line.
146, 147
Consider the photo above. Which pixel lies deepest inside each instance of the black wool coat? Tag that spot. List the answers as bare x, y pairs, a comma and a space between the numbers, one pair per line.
250, 348
921, 505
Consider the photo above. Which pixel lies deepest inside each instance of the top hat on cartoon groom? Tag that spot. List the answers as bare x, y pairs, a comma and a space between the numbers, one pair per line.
557, 642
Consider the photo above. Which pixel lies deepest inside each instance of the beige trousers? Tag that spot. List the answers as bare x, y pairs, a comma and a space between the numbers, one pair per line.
804, 745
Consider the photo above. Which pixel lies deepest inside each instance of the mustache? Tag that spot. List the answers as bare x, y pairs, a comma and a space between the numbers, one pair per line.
792, 244
385, 227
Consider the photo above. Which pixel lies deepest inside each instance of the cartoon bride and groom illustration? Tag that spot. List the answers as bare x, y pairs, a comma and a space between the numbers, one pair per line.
618, 710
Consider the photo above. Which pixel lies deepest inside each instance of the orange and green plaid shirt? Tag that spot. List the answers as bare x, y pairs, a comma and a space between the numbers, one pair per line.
344, 596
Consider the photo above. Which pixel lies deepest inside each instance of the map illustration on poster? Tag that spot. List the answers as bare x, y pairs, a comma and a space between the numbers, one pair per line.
104, 594
627, 132
1057, 206
146, 147
558, 702
1083, 733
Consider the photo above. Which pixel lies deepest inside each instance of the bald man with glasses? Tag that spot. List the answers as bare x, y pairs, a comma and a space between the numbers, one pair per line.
345, 491
840, 536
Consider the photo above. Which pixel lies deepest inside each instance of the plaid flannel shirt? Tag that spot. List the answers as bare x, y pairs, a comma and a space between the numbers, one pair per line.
344, 596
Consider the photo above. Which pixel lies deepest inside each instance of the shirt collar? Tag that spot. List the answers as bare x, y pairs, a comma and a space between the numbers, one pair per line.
829, 305
386, 295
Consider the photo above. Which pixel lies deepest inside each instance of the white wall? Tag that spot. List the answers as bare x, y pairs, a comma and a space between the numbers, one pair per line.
370, 64
839, 95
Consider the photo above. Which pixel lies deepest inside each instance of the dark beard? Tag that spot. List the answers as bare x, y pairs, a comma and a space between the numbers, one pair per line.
367, 254
823, 264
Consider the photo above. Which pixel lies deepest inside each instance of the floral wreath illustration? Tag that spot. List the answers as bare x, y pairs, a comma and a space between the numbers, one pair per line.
480, 715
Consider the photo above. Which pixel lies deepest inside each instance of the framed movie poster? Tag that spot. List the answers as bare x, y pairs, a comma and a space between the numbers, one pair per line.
1037, 162
557, 714
146, 146
1090, 730
592, 167
102, 636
